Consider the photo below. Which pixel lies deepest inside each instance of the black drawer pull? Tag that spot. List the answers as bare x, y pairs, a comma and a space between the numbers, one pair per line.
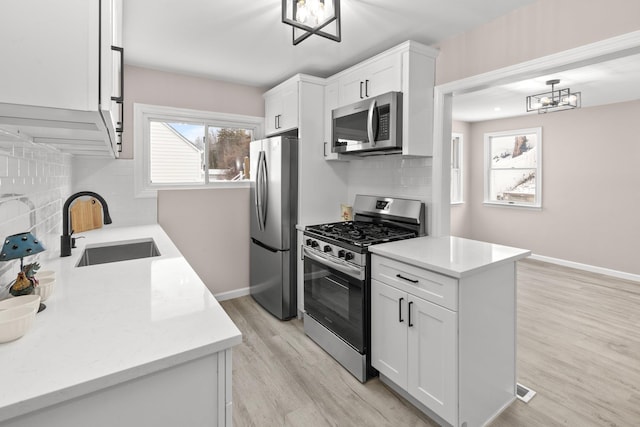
400, 319
410, 304
400, 276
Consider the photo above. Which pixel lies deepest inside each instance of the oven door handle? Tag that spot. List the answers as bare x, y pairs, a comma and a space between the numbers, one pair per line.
351, 270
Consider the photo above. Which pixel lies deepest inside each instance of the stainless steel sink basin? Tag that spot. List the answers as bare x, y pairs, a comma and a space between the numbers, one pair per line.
118, 251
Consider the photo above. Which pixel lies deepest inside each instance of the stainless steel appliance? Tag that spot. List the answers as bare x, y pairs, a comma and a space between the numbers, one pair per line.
337, 275
273, 217
369, 127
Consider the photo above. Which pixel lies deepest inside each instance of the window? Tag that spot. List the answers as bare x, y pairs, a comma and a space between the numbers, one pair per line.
456, 168
180, 148
513, 167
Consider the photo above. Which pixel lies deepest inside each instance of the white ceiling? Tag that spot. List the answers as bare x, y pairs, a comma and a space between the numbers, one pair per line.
607, 82
246, 41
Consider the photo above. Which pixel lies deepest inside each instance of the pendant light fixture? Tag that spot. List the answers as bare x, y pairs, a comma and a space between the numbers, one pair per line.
308, 17
556, 100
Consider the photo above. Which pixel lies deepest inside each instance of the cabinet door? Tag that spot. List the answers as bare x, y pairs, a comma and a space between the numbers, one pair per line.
384, 75
432, 357
331, 101
50, 56
389, 332
289, 115
272, 109
281, 108
375, 78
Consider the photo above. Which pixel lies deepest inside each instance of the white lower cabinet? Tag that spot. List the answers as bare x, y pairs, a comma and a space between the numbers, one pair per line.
413, 343
446, 344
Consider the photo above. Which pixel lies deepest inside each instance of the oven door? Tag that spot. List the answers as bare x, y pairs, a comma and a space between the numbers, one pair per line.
334, 296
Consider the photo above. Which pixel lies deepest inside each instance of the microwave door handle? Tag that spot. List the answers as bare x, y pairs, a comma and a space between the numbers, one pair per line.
370, 118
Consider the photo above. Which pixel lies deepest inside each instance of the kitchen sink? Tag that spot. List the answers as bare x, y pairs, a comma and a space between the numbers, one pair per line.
118, 251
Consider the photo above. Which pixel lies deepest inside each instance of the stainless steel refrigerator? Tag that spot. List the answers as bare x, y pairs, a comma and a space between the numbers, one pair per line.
274, 214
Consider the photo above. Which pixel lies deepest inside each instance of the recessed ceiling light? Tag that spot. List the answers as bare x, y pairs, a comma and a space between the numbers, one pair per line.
497, 109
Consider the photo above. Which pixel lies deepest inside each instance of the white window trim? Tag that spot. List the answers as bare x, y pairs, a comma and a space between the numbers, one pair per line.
460, 137
537, 204
143, 113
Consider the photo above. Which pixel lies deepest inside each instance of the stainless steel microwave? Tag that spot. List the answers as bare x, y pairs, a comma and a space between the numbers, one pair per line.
368, 127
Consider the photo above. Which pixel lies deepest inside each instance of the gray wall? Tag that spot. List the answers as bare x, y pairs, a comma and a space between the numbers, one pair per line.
590, 188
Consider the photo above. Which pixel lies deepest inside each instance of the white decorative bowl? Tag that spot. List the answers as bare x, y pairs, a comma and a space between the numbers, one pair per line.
45, 273
32, 301
15, 322
45, 287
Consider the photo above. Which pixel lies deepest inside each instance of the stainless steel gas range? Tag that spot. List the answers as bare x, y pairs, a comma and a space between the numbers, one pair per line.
337, 280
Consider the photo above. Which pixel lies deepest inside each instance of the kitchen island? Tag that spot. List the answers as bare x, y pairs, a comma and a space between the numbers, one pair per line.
131, 343
443, 325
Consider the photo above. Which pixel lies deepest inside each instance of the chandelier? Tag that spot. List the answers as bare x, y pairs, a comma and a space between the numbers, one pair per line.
556, 100
308, 17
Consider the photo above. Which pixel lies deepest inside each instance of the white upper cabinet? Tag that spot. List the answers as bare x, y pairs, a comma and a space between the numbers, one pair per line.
408, 68
371, 79
281, 107
60, 73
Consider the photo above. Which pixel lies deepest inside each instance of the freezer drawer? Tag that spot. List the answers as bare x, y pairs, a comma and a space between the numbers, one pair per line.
272, 282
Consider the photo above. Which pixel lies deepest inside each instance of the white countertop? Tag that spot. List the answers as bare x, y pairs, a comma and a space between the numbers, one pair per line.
110, 323
452, 256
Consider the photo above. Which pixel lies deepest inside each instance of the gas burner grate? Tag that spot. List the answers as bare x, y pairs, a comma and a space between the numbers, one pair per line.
362, 233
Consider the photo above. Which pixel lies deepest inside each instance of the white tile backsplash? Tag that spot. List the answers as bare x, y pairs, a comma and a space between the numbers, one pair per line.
391, 176
34, 182
113, 180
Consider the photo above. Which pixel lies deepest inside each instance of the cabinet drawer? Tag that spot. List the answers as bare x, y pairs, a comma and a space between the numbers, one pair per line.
433, 287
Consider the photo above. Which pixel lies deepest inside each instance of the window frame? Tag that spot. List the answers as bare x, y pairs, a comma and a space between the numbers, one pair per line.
488, 137
144, 113
460, 138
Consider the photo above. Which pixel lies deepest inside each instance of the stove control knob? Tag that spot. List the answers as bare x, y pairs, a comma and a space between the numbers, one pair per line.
308, 242
341, 253
327, 248
348, 256
314, 244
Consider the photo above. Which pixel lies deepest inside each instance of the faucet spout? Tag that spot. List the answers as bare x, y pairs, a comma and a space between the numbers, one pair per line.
65, 239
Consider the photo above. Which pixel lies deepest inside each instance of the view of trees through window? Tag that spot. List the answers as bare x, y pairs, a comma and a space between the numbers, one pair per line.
228, 153
177, 152
513, 167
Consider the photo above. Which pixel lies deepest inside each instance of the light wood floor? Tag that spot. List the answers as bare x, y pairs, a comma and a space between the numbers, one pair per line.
578, 348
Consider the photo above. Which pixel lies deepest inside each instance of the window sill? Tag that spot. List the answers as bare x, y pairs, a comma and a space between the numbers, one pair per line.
152, 191
457, 203
513, 205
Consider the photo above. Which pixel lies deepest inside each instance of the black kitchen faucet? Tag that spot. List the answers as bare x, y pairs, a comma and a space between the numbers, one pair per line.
66, 240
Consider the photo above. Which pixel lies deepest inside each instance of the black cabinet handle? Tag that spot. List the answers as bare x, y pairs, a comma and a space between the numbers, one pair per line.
361, 97
120, 122
400, 319
121, 52
400, 276
410, 304
366, 88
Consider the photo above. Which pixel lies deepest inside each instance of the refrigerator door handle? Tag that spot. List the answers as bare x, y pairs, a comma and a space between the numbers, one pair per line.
262, 245
258, 201
264, 191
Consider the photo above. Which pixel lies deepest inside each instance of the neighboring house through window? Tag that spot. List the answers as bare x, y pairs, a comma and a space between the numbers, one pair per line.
513, 166
456, 168
180, 148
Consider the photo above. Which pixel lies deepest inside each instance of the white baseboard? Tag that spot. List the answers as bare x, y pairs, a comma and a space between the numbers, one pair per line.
236, 293
587, 267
